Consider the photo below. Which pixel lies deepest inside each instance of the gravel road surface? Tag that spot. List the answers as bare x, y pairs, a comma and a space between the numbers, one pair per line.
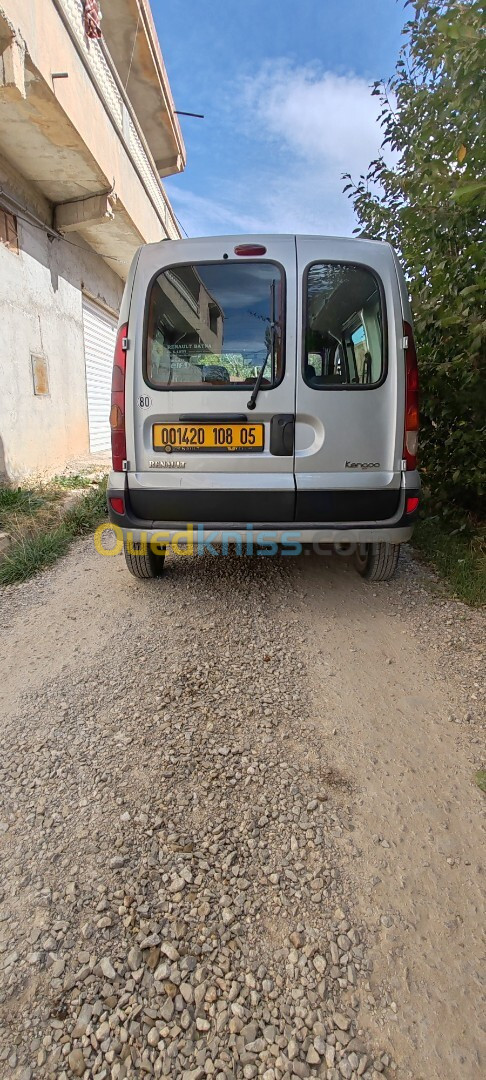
239, 830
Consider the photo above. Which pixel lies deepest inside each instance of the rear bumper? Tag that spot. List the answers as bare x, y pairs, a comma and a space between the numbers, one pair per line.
395, 529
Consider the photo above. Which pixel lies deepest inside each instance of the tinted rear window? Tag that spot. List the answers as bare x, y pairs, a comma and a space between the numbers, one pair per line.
215, 325
344, 327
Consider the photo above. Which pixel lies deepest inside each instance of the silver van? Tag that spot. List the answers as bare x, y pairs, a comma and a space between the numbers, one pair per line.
265, 385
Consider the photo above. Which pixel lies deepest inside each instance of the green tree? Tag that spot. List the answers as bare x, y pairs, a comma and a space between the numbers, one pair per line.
426, 194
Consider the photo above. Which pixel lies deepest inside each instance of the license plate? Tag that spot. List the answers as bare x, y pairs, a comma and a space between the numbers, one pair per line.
208, 438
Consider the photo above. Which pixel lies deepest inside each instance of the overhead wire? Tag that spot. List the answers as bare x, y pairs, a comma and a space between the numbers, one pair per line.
53, 234
133, 49
180, 223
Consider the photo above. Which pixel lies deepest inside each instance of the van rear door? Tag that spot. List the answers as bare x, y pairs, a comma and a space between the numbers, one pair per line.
203, 321
349, 388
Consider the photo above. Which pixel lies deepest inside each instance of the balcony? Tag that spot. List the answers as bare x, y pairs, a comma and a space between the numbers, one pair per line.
68, 125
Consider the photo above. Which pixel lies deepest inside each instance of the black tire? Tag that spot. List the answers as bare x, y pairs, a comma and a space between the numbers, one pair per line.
142, 562
377, 562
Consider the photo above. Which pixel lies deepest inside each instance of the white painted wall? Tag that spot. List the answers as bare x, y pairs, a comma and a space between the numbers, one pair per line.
41, 312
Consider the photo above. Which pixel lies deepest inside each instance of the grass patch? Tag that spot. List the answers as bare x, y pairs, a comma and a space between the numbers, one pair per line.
458, 552
88, 512
480, 778
68, 482
40, 539
18, 501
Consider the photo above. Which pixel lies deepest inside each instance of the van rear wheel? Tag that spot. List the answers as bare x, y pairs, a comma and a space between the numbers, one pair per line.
142, 561
377, 562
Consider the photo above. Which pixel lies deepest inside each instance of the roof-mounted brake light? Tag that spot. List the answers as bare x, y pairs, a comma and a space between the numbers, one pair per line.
250, 249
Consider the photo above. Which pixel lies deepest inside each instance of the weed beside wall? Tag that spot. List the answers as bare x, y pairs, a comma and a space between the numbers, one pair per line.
40, 527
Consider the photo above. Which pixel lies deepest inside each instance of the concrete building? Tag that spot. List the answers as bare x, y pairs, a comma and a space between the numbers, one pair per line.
87, 128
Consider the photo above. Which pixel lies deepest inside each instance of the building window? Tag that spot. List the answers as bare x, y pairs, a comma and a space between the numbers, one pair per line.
8, 230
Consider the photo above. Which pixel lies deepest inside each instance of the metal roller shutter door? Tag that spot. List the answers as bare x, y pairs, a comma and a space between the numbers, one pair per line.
99, 348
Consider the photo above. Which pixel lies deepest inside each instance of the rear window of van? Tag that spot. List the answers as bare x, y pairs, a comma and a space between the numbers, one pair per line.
214, 325
344, 342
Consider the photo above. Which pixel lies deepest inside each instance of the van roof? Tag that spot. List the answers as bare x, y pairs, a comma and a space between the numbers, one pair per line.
262, 238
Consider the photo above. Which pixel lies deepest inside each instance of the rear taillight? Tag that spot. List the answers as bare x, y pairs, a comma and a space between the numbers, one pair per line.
117, 505
117, 411
410, 441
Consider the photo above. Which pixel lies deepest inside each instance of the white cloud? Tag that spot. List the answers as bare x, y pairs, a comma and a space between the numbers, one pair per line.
303, 127
322, 117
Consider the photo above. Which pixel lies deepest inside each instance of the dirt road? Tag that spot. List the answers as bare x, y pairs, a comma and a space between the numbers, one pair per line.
240, 834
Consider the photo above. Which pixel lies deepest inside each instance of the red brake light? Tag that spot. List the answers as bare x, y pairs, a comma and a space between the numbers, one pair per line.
117, 411
250, 249
410, 441
118, 505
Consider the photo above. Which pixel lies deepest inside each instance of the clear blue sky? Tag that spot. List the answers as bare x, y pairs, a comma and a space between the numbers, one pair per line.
284, 87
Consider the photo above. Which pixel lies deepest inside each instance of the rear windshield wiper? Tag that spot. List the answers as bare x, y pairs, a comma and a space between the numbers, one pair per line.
270, 352
258, 383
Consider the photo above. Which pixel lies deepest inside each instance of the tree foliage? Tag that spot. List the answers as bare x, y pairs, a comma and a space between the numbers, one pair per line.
430, 203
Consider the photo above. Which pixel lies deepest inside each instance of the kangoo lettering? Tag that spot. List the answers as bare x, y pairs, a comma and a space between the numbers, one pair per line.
362, 464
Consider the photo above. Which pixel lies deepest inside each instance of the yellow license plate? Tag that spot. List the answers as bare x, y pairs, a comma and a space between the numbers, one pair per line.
208, 438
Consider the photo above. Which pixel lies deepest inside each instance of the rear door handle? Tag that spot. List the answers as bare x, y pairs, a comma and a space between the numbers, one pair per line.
282, 435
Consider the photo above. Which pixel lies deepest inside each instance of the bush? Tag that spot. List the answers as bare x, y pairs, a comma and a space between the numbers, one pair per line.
431, 206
